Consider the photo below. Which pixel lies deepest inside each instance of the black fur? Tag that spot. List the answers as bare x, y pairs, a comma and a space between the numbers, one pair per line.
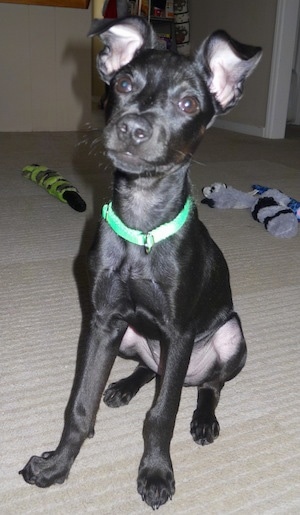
170, 309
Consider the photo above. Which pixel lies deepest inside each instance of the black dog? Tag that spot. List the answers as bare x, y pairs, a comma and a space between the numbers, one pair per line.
160, 286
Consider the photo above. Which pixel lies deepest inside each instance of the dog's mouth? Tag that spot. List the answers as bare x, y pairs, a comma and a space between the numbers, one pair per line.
136, 165
129, 162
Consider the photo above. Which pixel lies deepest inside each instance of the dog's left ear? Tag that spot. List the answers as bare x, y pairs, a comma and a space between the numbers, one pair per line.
123, 39
225, 64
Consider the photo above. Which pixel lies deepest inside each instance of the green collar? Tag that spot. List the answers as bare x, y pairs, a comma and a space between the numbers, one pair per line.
138, 237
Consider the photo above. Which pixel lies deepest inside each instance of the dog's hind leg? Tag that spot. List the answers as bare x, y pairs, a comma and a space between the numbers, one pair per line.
120, 393
204, 425
230, 348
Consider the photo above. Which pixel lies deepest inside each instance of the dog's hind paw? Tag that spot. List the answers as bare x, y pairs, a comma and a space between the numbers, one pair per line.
119, 393
156, 488
45, 470
204, 429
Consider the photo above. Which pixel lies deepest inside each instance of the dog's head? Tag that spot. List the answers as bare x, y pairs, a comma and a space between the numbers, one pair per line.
161, 103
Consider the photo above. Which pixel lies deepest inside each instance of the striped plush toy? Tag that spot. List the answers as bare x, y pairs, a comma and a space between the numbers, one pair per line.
278, 212
292, 203
55, 185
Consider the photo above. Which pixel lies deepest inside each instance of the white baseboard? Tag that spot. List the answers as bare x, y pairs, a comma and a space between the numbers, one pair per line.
252, 130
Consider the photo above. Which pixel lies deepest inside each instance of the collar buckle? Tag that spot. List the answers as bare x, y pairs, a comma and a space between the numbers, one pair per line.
148, 242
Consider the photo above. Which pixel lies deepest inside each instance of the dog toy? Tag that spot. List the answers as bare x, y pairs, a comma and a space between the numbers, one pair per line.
293, 204
271, 207
55, 185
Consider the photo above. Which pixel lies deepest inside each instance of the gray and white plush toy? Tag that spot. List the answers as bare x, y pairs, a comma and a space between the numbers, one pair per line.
271, 207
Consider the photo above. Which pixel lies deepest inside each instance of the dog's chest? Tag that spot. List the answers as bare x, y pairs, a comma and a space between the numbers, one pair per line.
151, 306
146, 290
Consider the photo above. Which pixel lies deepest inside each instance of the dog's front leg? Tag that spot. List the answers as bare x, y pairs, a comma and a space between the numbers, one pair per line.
156, 482
92, 372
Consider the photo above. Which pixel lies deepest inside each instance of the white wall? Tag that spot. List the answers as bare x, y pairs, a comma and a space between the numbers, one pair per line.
45, 68
295, 90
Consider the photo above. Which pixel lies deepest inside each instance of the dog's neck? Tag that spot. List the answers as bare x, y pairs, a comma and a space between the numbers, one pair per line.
145, 202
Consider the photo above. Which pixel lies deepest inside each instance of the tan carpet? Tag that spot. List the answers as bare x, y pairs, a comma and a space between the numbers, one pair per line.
254, 467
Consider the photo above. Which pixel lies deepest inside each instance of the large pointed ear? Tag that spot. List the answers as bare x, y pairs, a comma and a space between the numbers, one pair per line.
123, 39
225, 64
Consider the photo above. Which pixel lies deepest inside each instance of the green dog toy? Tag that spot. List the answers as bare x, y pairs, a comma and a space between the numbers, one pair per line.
55, 184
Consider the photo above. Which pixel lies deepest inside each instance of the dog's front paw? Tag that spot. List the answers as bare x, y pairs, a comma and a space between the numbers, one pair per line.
45, 470
156, 487
119, 393
204, 429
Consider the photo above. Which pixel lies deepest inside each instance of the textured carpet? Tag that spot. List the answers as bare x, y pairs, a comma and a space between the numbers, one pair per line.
254, 466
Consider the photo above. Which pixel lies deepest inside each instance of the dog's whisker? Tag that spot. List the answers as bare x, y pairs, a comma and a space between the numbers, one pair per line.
97, 141
84, 141
189, 156
87, 126
198, 162
184, 154
87, 140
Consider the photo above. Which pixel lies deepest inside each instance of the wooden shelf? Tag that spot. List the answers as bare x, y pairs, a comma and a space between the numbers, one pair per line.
160, 18
79, 4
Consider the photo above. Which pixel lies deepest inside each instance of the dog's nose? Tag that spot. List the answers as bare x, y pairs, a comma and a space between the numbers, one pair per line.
134, 129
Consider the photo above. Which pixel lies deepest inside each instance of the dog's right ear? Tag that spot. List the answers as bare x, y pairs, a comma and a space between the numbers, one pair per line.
123, 39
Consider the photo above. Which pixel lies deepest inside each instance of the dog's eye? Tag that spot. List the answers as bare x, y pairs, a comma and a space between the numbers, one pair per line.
124, 84
189, 105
